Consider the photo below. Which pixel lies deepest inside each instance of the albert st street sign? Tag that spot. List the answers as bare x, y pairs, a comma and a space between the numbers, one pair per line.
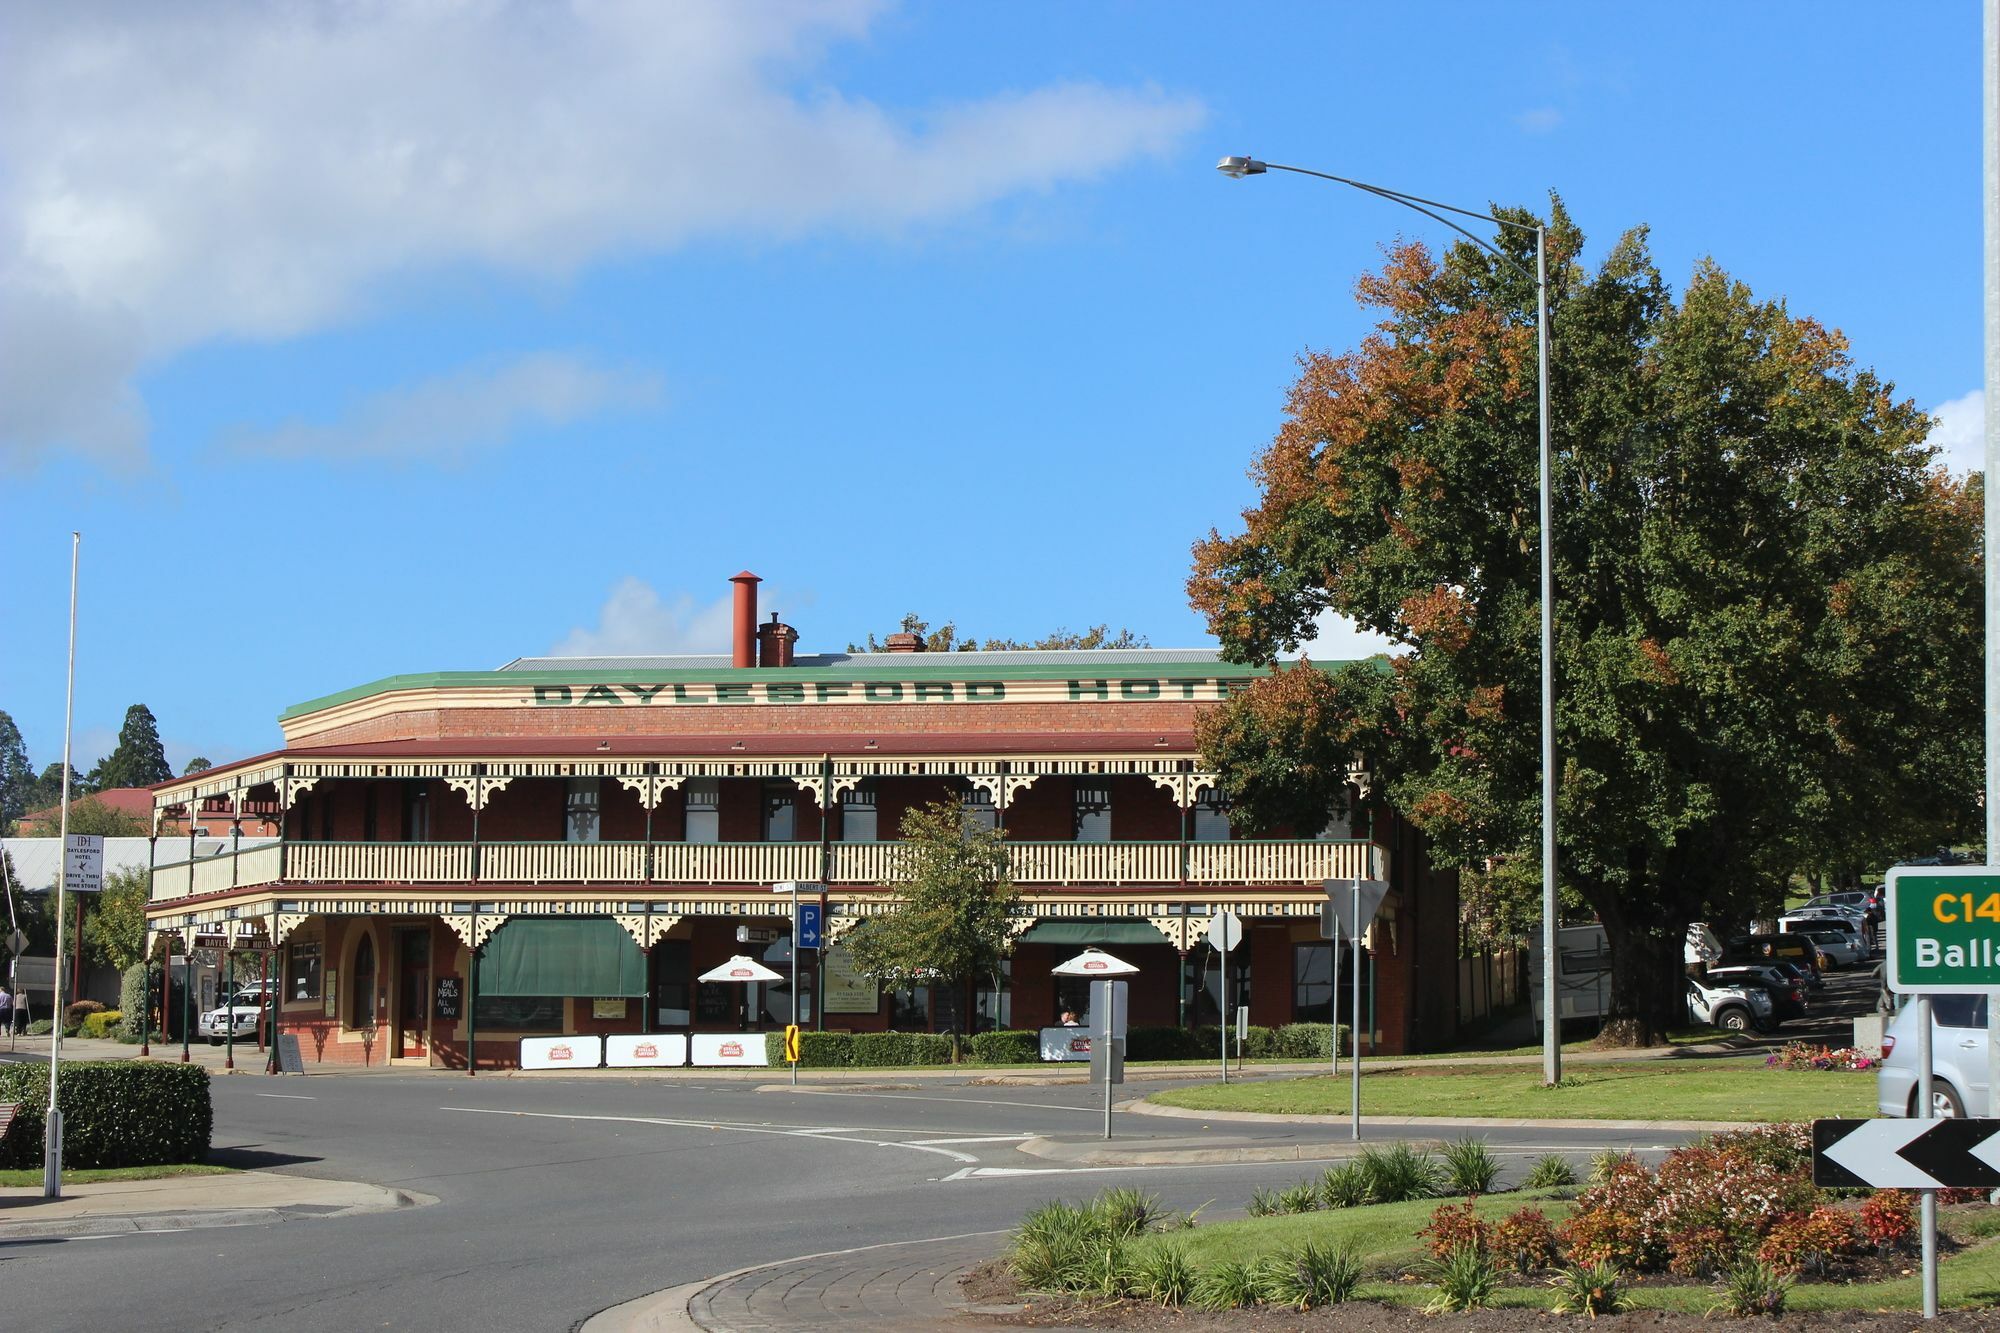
1944, 929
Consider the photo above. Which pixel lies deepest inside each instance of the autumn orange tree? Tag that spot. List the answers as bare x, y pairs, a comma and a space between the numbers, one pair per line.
1767, 597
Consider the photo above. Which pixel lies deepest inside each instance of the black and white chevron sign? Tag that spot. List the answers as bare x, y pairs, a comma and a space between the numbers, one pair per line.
1907, 1154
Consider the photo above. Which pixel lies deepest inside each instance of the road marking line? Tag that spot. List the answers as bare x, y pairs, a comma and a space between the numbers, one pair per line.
956, 1101
822, 1135
990, 1138
286, 1096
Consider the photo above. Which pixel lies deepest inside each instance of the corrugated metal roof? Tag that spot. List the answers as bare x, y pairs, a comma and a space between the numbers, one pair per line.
1055, 657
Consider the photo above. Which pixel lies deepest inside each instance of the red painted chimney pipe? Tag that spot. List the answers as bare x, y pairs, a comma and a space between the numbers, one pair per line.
743, 638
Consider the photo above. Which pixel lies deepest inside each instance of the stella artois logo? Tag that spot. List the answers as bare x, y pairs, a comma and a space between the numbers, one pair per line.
645, 1050
561, 1053
731, 1050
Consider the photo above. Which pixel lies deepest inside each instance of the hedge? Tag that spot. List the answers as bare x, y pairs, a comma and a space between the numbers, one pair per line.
1007, 1047
885, 1049
115, 1113
132, 998
817, 1050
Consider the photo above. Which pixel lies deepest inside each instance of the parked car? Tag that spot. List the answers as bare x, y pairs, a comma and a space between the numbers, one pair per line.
1958, 1058
1836, 948
1794, 949
1867, 901
1788, 996
242, 1012
1733, 1008
1855, 932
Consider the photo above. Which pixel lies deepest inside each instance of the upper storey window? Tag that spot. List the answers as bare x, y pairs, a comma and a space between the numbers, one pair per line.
1093, 814
857, 814
704, 815
1211, 817
976, 803
781, 811
580, 810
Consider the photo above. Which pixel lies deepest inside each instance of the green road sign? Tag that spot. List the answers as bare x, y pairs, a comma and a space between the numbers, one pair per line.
1944, 929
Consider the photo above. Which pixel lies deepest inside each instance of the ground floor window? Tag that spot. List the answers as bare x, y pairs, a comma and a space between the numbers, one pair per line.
672, 989
520, 1013
993, 1008
302, 972
1202, 982
910, 1009
1314, 997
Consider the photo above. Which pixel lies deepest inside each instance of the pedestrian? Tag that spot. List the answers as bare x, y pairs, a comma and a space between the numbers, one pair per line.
1069, 1019
6, 1010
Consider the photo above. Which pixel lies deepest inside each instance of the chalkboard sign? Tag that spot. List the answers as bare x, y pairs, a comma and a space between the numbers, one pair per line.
450, 1000
290, 1060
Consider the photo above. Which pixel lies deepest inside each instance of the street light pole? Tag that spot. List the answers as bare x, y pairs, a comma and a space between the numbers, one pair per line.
1239, 167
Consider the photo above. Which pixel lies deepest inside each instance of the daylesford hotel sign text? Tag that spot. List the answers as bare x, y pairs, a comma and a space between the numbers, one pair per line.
886, 692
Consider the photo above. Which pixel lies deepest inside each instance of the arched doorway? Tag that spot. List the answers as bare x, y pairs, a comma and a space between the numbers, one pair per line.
361, 990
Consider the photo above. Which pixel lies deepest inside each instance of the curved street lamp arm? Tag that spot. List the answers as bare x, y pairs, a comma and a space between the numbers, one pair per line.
1424, 206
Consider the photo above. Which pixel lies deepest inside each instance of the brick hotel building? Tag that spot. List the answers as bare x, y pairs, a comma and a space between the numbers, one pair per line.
591, 834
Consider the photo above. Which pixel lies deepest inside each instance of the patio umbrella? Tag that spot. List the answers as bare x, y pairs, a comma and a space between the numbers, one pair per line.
1095, 963
740, 968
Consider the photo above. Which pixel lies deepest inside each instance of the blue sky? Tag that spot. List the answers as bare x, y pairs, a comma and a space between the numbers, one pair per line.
382, 338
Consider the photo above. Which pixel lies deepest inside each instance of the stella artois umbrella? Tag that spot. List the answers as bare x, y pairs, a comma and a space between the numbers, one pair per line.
1095, 963
740, 968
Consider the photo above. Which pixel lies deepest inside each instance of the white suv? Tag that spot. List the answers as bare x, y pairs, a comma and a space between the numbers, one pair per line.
1958, 1058
242, 1012
1732, 1008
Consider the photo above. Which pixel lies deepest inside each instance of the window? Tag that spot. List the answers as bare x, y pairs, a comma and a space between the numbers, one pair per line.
1347, 825
672, 1001
910, 1010
781, 809
521, 1013
1204, 983
1093, 814
1958, 1011
580, 810
1312, 983
857, 813
977, 805
416, 811
302, 975
993, 1009
1211, 817
703, 798
361, 985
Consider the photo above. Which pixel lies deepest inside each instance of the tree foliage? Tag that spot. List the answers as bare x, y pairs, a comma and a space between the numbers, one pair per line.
139, 760
47, 794
114, 924
199, 764
90, 815
17, 779
957, 898
947, 639
1766, 605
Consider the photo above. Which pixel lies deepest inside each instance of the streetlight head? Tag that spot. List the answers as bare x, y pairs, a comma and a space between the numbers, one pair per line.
1239, 167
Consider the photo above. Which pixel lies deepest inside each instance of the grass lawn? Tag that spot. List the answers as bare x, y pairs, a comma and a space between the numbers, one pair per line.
1692, 1090
33, 1175
1384, 1237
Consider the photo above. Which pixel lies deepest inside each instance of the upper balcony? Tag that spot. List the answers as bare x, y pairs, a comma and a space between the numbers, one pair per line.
1238, 863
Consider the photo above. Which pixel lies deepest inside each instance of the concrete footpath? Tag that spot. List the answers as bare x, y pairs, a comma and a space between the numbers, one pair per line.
181, 1203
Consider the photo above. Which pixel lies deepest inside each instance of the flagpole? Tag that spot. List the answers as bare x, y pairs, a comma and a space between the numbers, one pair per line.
52, 1132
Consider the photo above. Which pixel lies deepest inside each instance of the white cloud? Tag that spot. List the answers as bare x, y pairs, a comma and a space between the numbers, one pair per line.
1539, 120
1960, 433
445, 418
176, 174
636, 621
1338, 639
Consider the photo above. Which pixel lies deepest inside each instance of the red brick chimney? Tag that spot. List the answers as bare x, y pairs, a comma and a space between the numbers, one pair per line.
774, 643
904, 642
743, 639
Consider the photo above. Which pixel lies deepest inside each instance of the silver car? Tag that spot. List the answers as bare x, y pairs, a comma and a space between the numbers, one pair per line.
1958, 1058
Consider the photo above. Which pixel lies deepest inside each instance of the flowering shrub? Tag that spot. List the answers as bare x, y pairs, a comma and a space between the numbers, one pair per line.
1709, 1205
1811, 1242
1801, 1055
1455, 1226
1524, 1239
1888, 1219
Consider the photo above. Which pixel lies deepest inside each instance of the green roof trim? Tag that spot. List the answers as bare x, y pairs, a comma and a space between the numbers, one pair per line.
527, 680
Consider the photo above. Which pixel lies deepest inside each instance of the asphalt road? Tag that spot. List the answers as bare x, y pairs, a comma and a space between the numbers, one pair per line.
562, 1197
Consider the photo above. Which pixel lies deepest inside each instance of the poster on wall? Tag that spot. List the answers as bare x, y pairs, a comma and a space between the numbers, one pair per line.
847, 991
332, 986
607, 1008
449, 1003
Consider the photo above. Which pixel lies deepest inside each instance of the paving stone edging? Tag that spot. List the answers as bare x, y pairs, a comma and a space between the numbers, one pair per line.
1140, 1106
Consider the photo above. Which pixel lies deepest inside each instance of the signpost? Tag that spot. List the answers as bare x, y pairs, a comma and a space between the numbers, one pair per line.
1107, 1016
1225, 932
83, 863
1944, 939
806, 922
1352, 901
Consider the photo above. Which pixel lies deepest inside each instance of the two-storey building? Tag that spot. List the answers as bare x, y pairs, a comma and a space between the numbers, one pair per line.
564, 845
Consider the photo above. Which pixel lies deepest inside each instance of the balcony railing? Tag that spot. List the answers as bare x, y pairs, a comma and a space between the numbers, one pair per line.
857, 863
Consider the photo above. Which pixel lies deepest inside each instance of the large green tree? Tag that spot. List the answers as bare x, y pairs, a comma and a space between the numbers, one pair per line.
114, 924
139, 759
1766, 596
46, 793
17, 779
946, 639
957, 899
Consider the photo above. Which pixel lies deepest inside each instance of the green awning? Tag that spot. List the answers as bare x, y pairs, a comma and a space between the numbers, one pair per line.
1093, 932
576, 956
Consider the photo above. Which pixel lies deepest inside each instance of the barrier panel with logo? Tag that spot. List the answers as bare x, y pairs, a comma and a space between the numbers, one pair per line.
561, 1052
729, 1048
630, 1051
1065, 1043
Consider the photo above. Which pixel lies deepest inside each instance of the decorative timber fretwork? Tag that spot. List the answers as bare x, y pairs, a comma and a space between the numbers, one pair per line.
1185, 788
645, 929
287, 923
473, 928
769, 905
290, 789
477, 790
651, 788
